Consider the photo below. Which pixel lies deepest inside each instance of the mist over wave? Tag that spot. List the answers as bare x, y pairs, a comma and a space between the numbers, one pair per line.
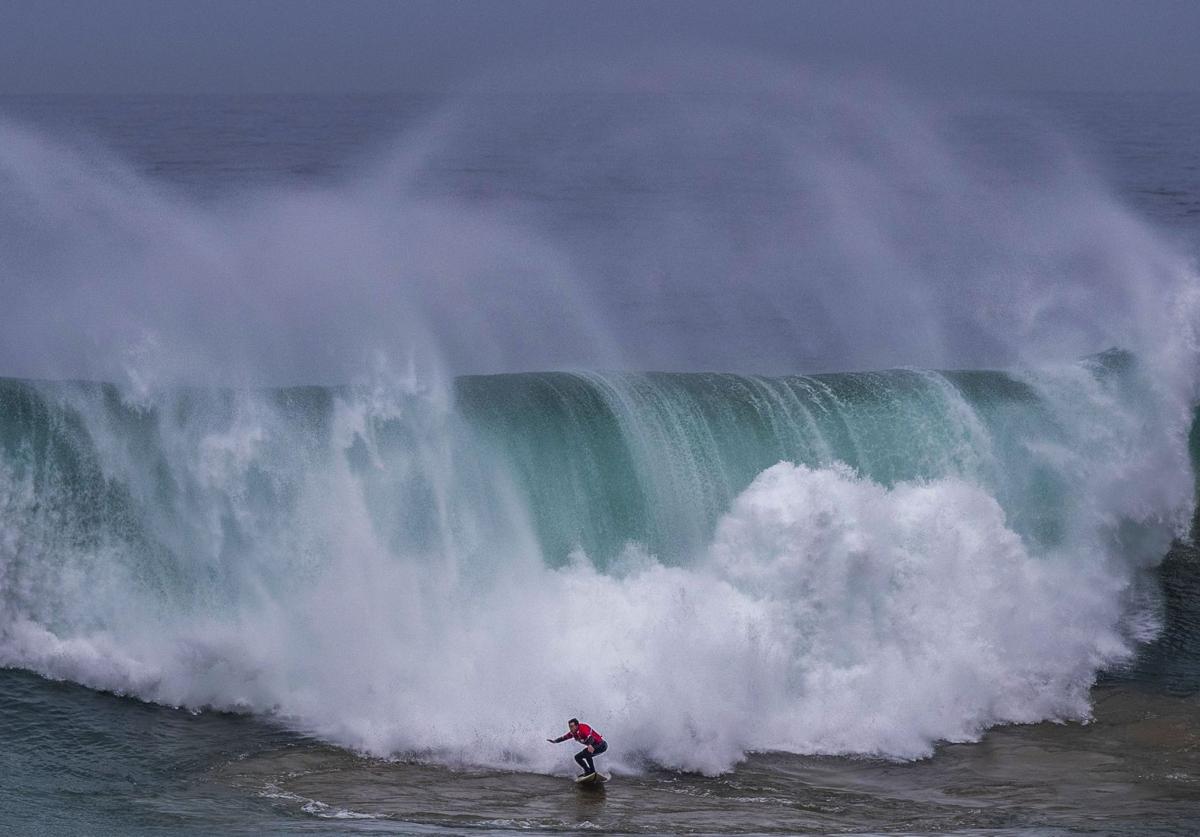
702, 564
692, 214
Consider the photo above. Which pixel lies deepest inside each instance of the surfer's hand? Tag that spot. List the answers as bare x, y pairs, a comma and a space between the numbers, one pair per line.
551, 740
591, 749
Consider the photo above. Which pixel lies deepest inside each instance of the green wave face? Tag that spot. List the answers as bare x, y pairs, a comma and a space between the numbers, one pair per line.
656, 459
595, 462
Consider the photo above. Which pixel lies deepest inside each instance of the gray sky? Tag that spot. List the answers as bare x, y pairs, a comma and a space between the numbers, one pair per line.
84, 46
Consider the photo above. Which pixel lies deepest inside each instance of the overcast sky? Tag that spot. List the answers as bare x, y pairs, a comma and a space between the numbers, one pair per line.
85, 46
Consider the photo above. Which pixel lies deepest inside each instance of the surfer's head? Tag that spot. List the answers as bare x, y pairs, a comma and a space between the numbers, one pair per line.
573, 724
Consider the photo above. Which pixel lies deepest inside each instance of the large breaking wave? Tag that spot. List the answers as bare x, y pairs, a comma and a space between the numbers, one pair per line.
705, 564
700, 564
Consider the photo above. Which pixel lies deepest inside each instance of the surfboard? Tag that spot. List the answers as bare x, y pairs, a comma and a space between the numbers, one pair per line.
596, 778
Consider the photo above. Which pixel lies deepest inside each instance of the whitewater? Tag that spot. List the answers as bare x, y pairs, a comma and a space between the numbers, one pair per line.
378, 460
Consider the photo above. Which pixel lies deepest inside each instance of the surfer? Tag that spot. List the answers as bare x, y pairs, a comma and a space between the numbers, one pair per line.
593, 744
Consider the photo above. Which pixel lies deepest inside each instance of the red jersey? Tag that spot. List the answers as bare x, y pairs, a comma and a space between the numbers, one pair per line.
585, 734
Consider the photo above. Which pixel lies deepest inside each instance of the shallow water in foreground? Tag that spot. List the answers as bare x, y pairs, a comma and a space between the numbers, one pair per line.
1136, 769
94, 763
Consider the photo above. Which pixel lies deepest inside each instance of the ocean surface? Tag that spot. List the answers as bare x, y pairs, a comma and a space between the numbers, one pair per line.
828, 448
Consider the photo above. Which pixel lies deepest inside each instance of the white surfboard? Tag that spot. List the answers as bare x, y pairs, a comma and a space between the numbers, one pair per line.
596, 778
